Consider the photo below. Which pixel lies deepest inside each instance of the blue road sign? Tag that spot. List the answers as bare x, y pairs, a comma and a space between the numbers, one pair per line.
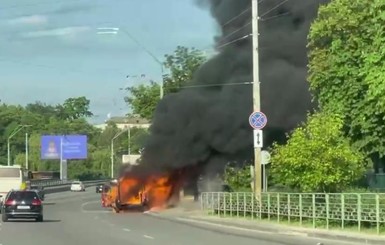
258, 120
66, 147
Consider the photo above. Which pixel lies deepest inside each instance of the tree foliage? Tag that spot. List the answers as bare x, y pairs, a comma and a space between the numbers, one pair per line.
182, 64
347, 68
317, 157
238, 178
143, 99
67, 118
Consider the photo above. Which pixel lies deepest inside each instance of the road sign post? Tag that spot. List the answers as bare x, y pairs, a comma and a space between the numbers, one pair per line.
265, 160
258, 121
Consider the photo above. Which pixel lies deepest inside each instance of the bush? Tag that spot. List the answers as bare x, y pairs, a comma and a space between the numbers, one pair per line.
317, 157
238, 178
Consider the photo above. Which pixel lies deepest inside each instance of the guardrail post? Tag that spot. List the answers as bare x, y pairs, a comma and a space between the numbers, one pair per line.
327, 211
278, 207
359, 211
313, 209
378, 213
244, 204
300, 208
218, 204
343, 211
288, 208
252, 205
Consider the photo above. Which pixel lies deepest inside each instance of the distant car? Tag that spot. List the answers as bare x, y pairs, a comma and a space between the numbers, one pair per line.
99, 188
40, 191
77, 186
23, 204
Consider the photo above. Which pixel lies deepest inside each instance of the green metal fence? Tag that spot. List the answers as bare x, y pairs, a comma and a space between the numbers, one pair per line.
364, 212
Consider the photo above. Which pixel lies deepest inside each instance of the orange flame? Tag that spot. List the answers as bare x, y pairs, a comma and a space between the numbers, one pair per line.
156, 191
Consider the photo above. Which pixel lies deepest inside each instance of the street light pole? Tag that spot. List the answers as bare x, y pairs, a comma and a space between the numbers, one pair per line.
26, 151
115, 30
129, 140
112, 149
112, 158
13, 133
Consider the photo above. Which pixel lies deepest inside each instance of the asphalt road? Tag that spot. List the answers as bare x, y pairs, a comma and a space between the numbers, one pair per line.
77, 218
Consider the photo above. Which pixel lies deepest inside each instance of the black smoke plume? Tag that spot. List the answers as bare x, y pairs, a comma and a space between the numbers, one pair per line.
208, 125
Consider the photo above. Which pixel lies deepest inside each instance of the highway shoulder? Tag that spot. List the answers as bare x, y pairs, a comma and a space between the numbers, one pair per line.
263, 229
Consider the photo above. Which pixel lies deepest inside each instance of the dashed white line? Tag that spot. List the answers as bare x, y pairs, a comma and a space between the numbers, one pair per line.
148, 237
125, 229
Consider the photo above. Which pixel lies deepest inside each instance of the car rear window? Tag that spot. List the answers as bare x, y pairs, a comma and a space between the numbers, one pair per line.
76, 183
23, 195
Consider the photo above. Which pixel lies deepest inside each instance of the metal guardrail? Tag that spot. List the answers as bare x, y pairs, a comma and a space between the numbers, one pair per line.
362, 211
54, 183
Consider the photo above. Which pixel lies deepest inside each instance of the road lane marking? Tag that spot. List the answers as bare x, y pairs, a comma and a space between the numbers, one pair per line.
82, 208
222, 226
95, 211
148, 237
125, 229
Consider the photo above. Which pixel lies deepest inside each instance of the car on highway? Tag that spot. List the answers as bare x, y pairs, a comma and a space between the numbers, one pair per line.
99, 188
22, 204
39, 190
77, 186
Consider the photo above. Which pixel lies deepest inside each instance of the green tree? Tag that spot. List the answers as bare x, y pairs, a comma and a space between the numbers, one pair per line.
68, 118
238, 178
317, 157
75, 108
347, 68
182, 65
143, 99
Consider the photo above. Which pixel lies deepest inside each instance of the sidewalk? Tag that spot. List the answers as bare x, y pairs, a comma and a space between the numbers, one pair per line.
190, 212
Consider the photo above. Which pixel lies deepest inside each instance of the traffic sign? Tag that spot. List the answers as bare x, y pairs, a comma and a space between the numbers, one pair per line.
258, 120
258, 138
265, 157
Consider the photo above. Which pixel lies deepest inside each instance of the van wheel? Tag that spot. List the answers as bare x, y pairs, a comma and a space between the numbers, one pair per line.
39, 219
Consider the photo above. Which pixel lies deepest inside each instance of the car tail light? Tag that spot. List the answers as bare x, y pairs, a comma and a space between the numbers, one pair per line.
36, 202
10, 202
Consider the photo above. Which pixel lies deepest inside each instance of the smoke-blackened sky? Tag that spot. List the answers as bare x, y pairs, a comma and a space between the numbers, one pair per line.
210, 124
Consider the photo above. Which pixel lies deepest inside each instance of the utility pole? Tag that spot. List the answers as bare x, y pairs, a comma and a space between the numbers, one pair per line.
129, 140
8, 152
26, 151
256, 95
162, 81
112, 158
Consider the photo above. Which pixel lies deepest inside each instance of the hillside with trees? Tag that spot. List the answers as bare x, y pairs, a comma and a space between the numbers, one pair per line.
70, 117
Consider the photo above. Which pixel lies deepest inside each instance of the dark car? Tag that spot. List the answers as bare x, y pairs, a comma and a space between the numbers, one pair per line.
99, 188
40, 191
24, 204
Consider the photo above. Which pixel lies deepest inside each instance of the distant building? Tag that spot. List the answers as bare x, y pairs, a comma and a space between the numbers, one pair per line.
125, 122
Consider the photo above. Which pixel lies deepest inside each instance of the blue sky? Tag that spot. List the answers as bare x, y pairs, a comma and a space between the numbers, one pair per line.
50, 49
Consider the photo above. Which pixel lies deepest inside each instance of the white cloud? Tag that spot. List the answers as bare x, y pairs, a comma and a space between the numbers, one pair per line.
29, 20
65, 31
